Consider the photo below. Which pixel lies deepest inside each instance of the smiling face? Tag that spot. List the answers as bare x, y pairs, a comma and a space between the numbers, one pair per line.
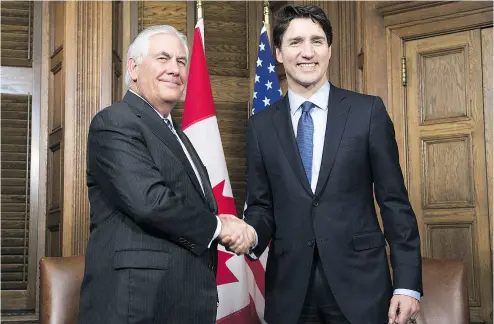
305, 55
162, 75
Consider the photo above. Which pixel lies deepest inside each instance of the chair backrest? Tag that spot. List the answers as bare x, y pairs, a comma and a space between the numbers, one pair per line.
445, 299
60, 286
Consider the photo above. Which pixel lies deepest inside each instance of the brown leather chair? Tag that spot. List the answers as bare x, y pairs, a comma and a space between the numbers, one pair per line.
60, 286
445, 299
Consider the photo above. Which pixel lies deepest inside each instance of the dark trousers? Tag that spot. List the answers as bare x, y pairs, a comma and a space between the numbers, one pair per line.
320, 306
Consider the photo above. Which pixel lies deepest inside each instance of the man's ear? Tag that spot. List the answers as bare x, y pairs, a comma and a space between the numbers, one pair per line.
279, 57
329, 50
132, 68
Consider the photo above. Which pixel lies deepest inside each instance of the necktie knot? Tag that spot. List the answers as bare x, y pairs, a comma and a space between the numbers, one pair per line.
307, 106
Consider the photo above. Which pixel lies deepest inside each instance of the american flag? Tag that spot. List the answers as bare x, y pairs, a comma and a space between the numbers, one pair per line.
267, 87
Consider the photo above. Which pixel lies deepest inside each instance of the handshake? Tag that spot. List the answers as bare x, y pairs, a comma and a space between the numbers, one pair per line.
236, 235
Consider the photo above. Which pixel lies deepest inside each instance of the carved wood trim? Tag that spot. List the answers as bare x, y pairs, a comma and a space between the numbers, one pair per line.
88, 90
348, 44
39, 138
129, 32
415, 19
389, 8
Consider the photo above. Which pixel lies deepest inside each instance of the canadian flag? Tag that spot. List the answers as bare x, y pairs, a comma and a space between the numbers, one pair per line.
240, 281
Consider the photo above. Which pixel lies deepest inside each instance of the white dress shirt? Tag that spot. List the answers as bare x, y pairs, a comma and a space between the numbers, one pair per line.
319, 116
218, 226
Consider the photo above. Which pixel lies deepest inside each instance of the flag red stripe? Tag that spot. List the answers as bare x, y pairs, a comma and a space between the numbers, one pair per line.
246, 315
258, 272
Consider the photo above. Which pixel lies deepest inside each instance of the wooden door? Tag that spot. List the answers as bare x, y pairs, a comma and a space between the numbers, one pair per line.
446, 144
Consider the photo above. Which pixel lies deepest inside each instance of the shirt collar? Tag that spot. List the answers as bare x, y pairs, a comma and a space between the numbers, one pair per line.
320, 98
169, 117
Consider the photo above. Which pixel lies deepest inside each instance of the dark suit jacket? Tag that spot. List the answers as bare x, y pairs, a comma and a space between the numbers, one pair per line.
147, 259
360, 153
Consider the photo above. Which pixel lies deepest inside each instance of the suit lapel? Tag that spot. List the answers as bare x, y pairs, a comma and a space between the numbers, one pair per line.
284, 128
335, 125
159, 128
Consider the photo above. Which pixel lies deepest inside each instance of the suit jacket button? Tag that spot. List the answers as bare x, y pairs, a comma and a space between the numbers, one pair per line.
192, 245
315, 203
310, 243
182, 240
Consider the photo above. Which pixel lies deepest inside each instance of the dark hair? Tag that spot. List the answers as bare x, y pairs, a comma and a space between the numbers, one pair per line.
287, 13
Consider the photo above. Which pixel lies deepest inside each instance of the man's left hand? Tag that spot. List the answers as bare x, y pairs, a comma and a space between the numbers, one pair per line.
402, 309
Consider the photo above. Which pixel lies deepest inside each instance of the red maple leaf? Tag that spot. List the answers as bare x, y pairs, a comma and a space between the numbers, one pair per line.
224, 275
226, 205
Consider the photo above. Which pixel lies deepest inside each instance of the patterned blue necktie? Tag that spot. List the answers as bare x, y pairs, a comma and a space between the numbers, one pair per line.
168, 123
305, 136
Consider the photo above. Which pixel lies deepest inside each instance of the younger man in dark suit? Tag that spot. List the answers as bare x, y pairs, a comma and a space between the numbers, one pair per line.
314, 161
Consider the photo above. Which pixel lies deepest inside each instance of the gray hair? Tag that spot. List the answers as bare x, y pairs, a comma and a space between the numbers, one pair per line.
138, 49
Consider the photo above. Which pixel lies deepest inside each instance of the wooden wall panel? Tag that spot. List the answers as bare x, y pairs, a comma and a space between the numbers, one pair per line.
16, 33
162, 13
444, 71
451, 186
225, 33
375, 80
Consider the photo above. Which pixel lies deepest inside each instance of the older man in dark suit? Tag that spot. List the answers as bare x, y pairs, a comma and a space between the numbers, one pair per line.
151, 256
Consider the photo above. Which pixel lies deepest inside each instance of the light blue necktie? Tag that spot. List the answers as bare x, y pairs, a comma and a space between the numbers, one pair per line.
305, 136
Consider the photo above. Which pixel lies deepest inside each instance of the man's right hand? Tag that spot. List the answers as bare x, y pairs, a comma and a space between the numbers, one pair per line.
236, 235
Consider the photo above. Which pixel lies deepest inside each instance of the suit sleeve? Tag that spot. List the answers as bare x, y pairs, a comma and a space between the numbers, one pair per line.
259, 213
118, 158
400, 223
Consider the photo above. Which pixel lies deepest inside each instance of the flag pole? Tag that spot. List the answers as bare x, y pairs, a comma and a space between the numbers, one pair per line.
199, 9
266, 19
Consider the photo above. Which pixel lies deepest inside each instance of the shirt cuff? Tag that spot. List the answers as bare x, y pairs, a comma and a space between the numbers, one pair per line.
407, 292
217, 232
251, 254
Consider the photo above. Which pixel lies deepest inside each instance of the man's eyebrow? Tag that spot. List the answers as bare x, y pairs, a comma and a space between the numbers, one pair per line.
164, 54
298, 38
318, 37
